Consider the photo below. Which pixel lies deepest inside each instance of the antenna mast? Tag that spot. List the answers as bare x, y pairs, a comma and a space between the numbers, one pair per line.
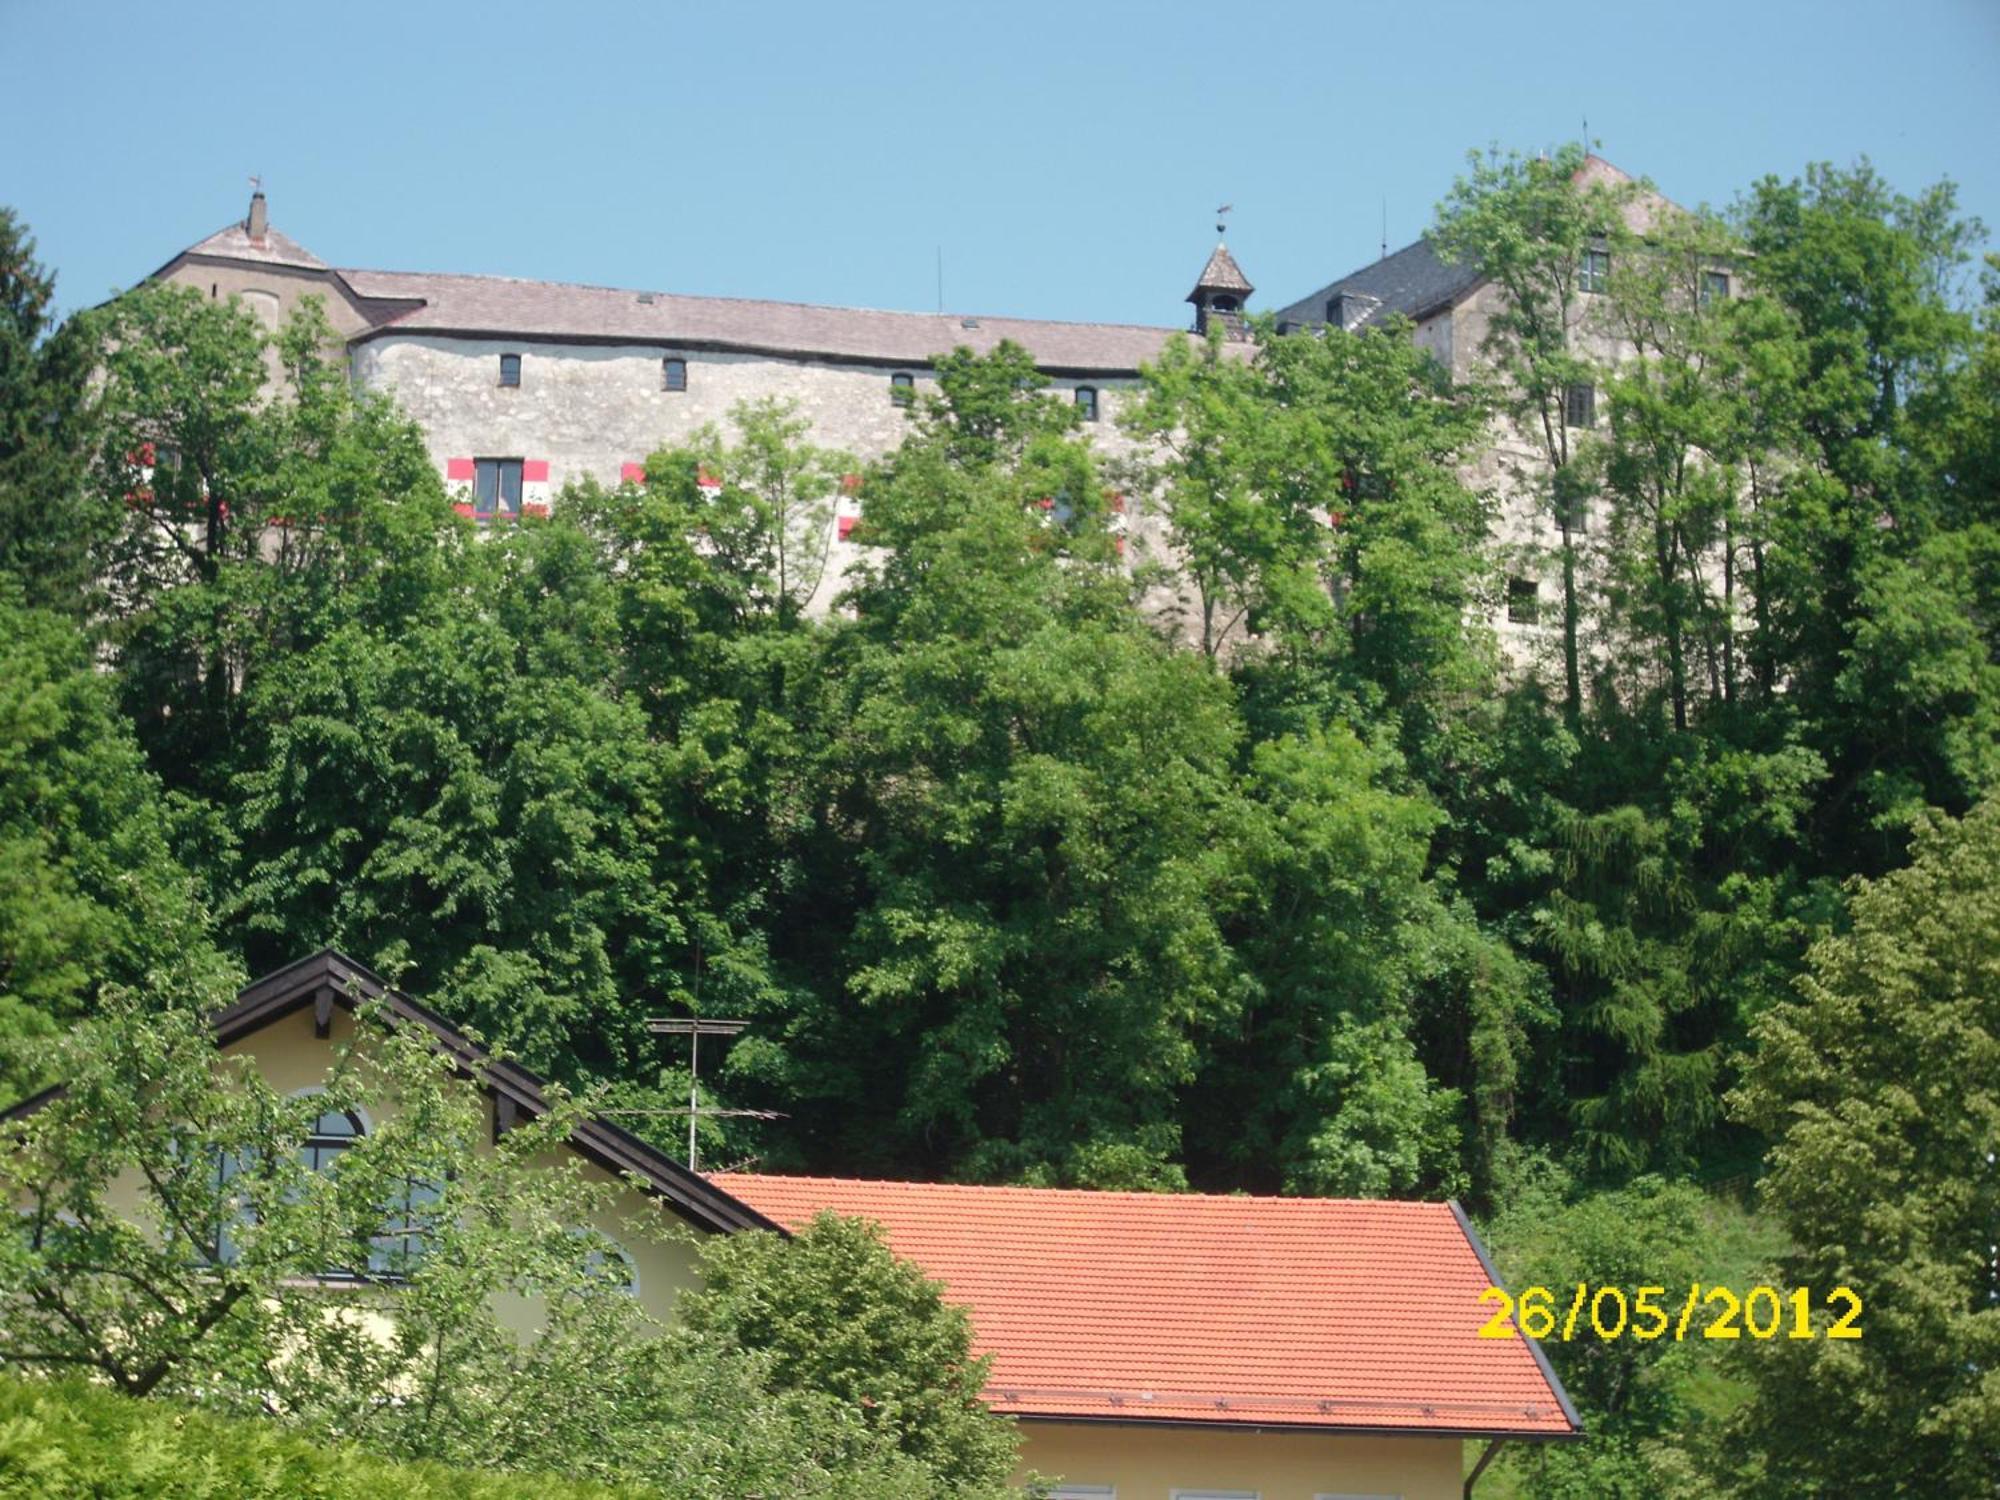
694, 1028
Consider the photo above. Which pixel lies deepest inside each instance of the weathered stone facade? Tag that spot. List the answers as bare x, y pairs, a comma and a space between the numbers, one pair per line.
591, 394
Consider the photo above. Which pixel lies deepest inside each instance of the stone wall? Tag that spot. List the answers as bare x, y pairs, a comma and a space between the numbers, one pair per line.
591, 409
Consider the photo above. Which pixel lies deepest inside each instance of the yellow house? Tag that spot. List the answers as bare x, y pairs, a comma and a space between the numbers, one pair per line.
1151, 1346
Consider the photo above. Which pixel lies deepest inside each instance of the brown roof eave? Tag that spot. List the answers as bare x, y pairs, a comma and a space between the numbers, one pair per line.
299, 984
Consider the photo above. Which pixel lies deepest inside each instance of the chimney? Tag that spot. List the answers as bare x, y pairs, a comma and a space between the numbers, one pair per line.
255, 225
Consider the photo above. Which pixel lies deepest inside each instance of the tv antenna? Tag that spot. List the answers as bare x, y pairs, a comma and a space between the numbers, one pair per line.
694, 1028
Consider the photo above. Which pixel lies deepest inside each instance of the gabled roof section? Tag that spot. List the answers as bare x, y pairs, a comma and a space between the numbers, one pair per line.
1643, 210
272, 248
1308, 1313
1221, 274
1415, 281
328, 978
504, 307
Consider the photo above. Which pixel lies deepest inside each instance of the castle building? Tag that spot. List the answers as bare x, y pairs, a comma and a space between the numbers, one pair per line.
522, 386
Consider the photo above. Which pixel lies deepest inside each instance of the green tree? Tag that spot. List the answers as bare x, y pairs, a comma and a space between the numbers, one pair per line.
1879, 1088
1876, 556
174, 1238
834, 1312
253, 525
1534, 228
91, 895
1639, 1398
46, 527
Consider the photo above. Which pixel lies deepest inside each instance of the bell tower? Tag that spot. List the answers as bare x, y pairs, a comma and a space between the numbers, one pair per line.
1220, 293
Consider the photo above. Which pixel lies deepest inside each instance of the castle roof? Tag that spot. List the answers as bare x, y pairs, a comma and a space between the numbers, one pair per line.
1415, 281
272, 248
1320, 1313
505, 307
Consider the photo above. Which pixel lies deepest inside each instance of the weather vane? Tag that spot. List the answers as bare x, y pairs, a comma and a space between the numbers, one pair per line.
256, 183
1220, 214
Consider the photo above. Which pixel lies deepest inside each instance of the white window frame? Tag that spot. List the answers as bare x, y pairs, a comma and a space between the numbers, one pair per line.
1358, 1495
1084, 1492
1181, 1494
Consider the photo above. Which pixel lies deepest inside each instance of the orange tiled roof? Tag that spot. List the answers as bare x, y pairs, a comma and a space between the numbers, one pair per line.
1313, 1312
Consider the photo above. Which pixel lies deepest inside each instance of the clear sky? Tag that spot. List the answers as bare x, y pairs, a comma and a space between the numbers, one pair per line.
1066, 157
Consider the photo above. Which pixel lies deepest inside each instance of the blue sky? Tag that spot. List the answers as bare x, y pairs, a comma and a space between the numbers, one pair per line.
1066, 157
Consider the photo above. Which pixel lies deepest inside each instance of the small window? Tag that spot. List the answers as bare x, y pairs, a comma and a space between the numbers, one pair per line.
902, 388
1084, 1492
1580, 406
1593, 272
1225, 304
1524, 605
1714, 287
1336, 312
496, 486
510, 369
673, 374
1086, 402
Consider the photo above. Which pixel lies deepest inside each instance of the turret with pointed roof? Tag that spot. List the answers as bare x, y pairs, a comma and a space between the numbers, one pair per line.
1221, 291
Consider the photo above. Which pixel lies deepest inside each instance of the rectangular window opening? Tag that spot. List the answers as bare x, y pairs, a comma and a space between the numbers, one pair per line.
496, 487
1593, 272
1524, 605
673, 374
1580, 406
510, 369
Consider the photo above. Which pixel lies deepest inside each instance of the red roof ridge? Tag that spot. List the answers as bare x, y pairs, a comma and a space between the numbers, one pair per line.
1092, 1194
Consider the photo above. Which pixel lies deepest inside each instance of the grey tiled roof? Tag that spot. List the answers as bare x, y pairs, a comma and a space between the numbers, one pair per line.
1414, 281
1221, 274
503, 307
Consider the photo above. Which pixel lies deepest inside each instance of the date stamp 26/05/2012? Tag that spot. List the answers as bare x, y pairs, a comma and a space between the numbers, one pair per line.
1714, 1312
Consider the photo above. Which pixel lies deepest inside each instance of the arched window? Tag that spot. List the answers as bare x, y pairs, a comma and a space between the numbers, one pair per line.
673, 374
902, 388
331, 1134
1086, 402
